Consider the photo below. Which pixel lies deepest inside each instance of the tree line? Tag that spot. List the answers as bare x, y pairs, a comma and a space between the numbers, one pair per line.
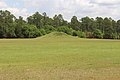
40, 24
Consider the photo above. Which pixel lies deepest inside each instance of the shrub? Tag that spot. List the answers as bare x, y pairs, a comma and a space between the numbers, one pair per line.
49, 29
30, 31
65, 29
115, 36
79, 34
98, 34
42, 31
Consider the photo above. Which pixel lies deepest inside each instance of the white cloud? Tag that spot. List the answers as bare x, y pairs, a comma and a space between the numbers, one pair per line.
14, 10
109, 2
18, 12
68, 8
2, 4
80, 8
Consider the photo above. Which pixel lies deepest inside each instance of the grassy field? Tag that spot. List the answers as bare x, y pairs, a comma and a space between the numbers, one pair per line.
59, 57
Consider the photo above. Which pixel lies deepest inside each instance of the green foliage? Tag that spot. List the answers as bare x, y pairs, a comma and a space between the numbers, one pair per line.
6, 24
30, 31
59, 21
24, 30
108, 28
88, 24
41, 24
11, 32
98, 34
36, 19
115, 36
49, 29
42, 31
79, 34
75, 24
65, 29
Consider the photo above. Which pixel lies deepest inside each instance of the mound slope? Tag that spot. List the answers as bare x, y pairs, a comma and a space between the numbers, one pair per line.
57, 35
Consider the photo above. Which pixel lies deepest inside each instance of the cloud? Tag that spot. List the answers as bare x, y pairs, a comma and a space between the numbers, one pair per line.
68, 8
2, 4
106, 2
18, 12
14, 10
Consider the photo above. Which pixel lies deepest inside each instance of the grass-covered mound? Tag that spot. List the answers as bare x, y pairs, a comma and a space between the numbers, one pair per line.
56, 35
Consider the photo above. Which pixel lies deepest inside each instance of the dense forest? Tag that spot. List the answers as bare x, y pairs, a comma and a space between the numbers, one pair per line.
40, 24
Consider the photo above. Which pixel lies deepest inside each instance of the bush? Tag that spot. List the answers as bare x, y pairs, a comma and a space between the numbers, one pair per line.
49, 29
98, 34
118, 36
42, 31
30, 31
65, 29
115, 36
79, 34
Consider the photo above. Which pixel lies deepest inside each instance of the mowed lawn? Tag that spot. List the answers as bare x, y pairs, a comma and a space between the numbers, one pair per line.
59, 58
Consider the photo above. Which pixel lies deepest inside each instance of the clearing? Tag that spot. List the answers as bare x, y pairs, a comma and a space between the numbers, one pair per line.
58, 56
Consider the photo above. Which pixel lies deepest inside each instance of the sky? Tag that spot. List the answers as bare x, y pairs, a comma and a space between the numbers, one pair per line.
68, 8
